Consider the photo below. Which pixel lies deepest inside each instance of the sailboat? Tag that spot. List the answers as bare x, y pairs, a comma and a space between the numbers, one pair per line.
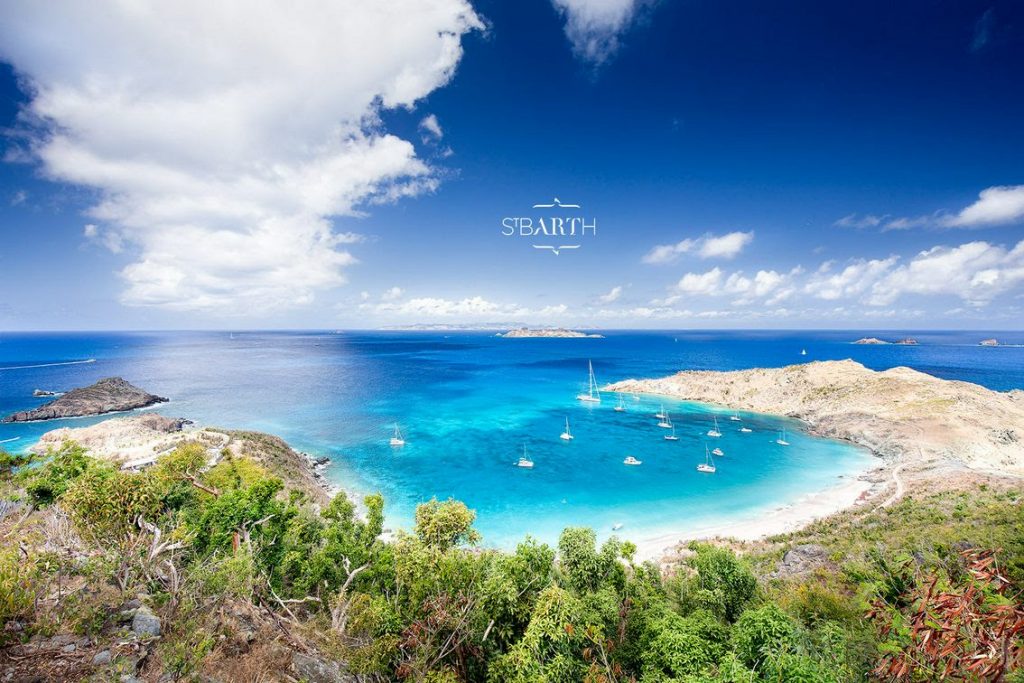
397, 439
803, 352
782, 438
566, 435
661, 413
621, 407
735, 417
525, 462
717, 451
666, 422
630, 460
592, 395
708, 465
714, 432
746, 430
672, 436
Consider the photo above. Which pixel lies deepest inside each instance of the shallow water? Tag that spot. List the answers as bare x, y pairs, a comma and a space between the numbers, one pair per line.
468, 402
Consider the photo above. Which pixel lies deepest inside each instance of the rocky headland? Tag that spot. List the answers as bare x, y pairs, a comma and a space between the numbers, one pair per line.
109, 395
905, 416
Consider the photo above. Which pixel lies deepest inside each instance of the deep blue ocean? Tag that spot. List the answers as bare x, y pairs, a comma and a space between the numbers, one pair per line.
468, 402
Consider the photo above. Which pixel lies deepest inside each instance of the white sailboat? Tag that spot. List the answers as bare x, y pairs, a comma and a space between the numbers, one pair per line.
621, 407
666, 422
661, 412
525, 462
803, 352
630, 460
746, 430
397, 439
782, 438
566, 435
714, 432
735, 417
672, 436
592, 395
708, 465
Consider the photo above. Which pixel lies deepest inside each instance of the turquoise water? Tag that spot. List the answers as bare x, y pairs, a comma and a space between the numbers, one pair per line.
468, 402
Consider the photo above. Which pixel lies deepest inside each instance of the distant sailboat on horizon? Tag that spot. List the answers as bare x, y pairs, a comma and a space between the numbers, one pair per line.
803, 352
397, 439
566, 435
666, 422
592, 395
714, 432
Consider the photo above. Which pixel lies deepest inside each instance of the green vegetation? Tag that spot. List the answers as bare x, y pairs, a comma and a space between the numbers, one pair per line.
198, 542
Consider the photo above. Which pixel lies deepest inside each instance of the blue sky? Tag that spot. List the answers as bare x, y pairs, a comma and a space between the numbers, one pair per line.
798, 164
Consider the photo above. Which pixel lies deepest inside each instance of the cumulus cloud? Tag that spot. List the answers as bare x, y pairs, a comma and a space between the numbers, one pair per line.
724, 246
611, 296
431, 128
976, 272
220, 148
594, 26
853, 280
475, 308
998, 205
392, 294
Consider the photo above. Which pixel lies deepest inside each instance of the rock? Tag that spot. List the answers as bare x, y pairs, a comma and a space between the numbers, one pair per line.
106, 396
870, 340
102, 658
41, 393
145, 624
801, 559
315, 670
69, 648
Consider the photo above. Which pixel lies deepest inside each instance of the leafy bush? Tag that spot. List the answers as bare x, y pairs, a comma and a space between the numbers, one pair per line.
445, 525
52, 479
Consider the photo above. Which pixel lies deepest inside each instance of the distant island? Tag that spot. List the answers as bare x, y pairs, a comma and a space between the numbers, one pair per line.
906, 341
109, 395
453, 327
556, 332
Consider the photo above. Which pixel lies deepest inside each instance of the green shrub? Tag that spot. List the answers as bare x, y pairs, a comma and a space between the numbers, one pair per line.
762, 634
52, 479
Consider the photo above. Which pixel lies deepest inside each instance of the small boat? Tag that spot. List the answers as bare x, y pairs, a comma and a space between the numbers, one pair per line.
661, 413
782, 438
717, 451
666, 422
525, 462
397, 439
592, 395
672, 436
714, 432
746, 430
621, 406
566, 435
803, 352
708, 465
630, 460
735, 417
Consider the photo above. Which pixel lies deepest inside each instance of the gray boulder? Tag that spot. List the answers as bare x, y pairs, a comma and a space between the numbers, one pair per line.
145, 624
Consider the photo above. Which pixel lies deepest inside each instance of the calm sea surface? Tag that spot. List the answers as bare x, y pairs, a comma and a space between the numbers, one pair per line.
468, 402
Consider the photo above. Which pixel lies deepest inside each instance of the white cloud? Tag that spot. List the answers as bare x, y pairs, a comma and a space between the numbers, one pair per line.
707, 283
995, 206
221, 148
855, 221
593, 26
853, 280
392, 294
724, 246
431, 127
19, 197
107, 239
611, 296
475, 309
976, 272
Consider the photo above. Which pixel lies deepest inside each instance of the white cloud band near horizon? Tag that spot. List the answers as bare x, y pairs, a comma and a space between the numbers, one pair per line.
220, 150
707, 246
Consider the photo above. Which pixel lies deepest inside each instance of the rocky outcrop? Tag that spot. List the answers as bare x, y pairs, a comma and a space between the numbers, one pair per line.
870, 340
800, 560
559, 332
43, 393
109, 395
